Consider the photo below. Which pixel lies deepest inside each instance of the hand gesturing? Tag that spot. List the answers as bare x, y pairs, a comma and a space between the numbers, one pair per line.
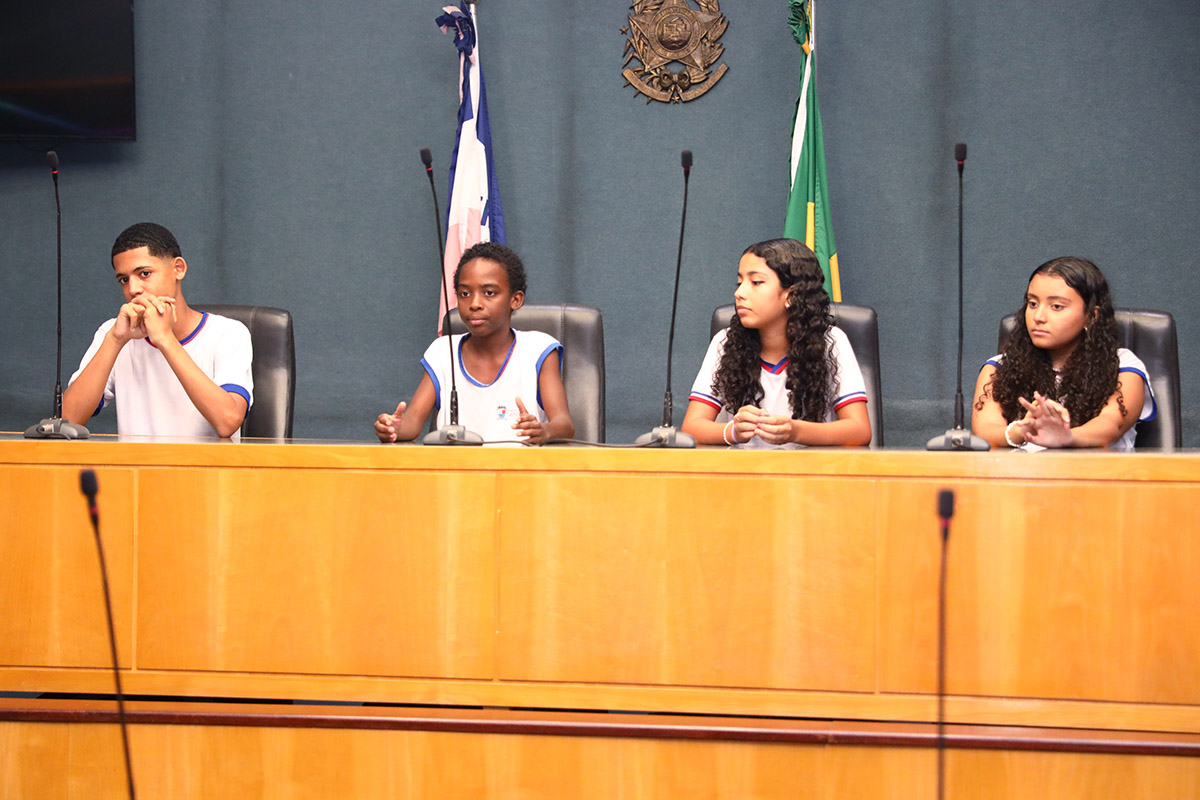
1047, 422
528, 427
387, 425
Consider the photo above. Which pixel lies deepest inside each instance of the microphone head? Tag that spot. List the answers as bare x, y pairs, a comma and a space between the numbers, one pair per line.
426, 157
946, 503
52, 160
685, 158
88, 483
960, 152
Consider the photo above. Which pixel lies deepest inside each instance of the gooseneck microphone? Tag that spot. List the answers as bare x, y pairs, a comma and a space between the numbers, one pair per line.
452, 433
958, 437
90, 487
666, 434
427, 160
55, 427
945, 514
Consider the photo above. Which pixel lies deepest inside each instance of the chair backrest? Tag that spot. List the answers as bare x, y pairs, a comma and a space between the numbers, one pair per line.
580, 329
274, 368
1151, 337
861, 326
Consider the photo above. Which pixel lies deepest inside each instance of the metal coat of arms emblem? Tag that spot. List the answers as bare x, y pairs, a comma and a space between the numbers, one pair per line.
663, 32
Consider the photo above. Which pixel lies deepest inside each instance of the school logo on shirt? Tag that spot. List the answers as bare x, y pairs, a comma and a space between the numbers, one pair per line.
505, 414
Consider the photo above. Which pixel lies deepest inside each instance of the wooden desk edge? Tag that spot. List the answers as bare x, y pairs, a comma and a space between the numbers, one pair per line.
849, 462
525, 722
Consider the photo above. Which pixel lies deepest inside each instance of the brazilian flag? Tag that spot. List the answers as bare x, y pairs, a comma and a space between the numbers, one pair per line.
808, 203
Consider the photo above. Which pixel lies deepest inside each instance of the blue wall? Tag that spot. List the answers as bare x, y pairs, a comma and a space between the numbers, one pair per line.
279, 140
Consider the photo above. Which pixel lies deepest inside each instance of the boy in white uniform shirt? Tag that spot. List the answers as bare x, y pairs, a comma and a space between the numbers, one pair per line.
169, 369
509, 382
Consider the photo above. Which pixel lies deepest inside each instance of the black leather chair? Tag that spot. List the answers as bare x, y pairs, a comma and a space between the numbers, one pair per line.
861, 326
1151, 337
581, 331
274, 368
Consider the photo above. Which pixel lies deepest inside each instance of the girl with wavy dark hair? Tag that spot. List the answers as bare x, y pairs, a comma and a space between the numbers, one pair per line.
1062, 380
781, 374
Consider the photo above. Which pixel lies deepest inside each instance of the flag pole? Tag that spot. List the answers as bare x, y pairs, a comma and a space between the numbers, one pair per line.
808, 218
812, 30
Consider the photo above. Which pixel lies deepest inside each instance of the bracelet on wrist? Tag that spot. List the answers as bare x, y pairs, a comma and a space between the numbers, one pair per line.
725, 433
1008, 437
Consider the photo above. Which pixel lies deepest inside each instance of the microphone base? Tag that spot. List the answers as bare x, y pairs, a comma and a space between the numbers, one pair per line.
56, 428
958, 439
452, 435
664, 436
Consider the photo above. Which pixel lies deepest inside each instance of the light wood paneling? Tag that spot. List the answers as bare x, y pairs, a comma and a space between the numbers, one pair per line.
725, 581
1001, 775
33, 760
51, 596
788, 584
1059, 589
47, 760
313, 571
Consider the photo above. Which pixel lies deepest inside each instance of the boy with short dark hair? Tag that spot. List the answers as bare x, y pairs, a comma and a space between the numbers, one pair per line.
169, 369
496, 365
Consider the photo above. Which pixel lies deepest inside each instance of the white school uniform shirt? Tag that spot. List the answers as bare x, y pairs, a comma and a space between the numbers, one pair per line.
848, 387
148, 397
487, 404
1128, 362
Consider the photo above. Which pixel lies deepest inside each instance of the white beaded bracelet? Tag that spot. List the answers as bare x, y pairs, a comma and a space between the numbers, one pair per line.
725, 433
1008, 438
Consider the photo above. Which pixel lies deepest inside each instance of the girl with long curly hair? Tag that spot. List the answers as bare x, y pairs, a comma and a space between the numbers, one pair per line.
1062, 380
781, 374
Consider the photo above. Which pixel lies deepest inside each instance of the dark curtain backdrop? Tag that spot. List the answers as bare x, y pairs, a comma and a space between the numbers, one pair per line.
279, 140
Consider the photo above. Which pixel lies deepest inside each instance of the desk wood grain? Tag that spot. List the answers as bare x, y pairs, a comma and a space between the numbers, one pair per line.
789, 584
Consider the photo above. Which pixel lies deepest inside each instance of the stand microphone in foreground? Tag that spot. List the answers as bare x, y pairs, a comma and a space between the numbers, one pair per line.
958, 437
666, 435
945, 514
55, 427
452, 433
90, 487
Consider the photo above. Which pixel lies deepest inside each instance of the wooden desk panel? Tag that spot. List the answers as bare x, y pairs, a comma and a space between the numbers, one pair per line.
232, 751
786, 584
51, 597
229, 763
757, 582
317, 571
1057, 589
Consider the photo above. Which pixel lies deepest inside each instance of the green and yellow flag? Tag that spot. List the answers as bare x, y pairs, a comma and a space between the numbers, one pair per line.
808, 203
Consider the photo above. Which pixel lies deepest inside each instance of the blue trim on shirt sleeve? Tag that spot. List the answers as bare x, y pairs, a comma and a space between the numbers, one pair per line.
241, 392
99, 408
542, 360
847, 399
707, 399
437, 387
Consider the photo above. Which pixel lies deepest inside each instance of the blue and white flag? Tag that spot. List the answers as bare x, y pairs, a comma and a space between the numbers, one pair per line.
473, 212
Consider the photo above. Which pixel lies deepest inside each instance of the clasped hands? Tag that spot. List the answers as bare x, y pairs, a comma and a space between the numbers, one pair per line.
146, 316
753, 421
1047, 423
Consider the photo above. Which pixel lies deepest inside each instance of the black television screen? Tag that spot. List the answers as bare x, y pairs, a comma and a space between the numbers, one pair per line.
66, 70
